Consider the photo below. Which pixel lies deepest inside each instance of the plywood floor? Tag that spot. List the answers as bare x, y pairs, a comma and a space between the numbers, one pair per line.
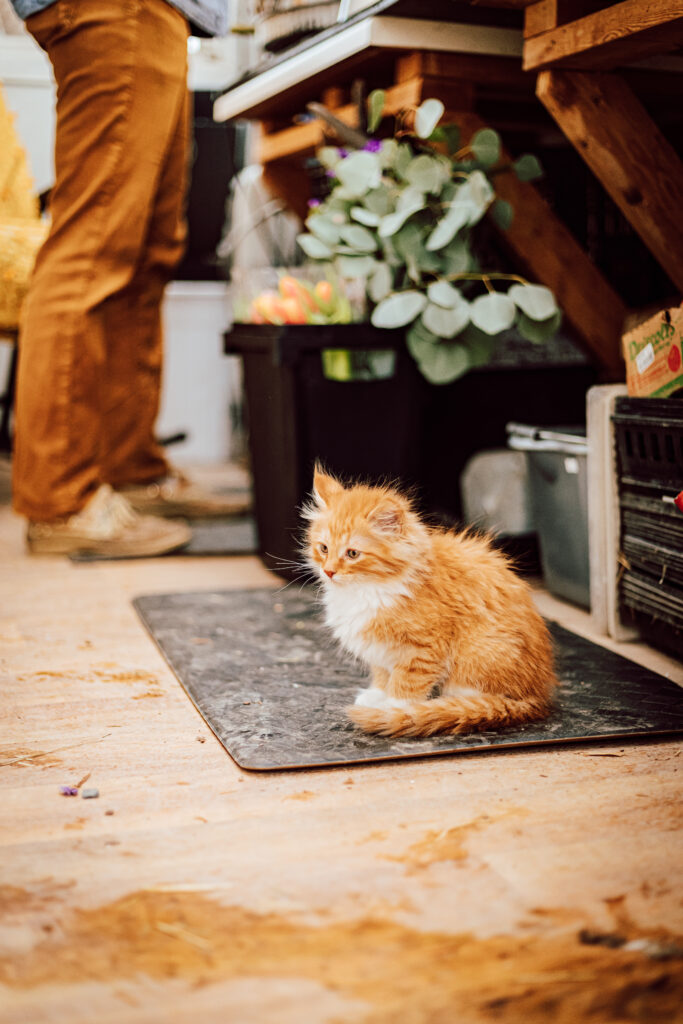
529, 886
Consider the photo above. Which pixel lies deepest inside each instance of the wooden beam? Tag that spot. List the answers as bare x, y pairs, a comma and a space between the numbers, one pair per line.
626, 151
545, 15
628, 31
551, 255
510, 5
471, 67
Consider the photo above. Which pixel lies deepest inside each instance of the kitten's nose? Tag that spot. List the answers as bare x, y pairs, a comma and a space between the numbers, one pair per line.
329, 572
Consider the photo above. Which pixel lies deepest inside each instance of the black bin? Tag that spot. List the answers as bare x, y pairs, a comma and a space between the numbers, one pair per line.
402, 429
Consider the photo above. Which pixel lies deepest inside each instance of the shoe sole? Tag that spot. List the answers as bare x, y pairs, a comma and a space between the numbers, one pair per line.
116, 549
189, 510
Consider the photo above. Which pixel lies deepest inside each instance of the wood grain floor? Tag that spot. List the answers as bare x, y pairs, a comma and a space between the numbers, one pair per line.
525, 886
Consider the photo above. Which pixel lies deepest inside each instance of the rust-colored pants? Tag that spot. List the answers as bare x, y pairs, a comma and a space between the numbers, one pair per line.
90, 348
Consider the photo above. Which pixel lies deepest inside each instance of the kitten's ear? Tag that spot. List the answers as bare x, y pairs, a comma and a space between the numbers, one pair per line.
324, 487
388, 518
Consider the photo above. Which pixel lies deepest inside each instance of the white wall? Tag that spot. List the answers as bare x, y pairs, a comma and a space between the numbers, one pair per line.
29, 91
200, 383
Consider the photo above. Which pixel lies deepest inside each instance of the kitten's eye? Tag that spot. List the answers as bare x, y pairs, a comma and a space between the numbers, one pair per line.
352, 553
322, 548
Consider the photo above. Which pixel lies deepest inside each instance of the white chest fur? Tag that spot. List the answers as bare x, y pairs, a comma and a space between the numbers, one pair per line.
350, 609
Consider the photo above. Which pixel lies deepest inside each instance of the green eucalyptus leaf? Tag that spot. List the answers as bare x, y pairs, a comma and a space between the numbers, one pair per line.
403, 159
448, 192
359, 173
439, 361
424, 173
428, 262
446, 323
479, 345
455, 258
456, 217
363, 216
535, 300
388, 153
493, 313
348, 196
323, 228
355, 266
486, 146
539, 331
502, 213
408, 238
452, 134
408, 243
398, 309
337, 208
444, 294
528, 168
412, 198
358, 238
378, 200
389, 253
376, 101
314, 248
427, 117
477, 192
390, 225
420, 340
381, 282
418, 335
328, 156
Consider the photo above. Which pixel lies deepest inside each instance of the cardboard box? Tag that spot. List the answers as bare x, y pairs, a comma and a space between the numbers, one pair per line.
652, 352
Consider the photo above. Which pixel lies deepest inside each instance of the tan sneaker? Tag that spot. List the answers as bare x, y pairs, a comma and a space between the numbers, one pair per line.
176, 496
107, 526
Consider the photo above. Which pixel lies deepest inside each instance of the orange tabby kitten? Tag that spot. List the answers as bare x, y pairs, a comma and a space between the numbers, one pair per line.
429, 611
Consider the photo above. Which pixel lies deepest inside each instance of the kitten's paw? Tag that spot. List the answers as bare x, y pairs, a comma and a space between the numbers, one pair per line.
373, 697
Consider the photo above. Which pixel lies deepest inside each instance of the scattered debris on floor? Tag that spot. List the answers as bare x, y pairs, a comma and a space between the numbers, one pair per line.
656, 949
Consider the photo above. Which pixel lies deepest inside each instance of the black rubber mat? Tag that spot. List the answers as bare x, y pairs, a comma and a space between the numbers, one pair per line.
210, 537
262, 671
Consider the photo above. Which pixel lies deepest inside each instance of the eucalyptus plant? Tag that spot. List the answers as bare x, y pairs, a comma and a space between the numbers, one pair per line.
400, 214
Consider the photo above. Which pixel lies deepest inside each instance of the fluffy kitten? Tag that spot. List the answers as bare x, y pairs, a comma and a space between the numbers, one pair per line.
429, 611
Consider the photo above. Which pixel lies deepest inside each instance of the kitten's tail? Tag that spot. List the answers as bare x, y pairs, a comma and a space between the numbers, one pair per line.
465, 713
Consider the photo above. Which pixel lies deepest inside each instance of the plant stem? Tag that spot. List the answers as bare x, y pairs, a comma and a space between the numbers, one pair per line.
486, 278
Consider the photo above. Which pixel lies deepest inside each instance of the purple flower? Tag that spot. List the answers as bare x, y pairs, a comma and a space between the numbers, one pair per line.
330, 173
372, 146
313, 203
343, 153
68, 791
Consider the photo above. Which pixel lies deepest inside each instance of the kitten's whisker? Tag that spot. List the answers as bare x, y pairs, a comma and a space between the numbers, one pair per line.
299, 578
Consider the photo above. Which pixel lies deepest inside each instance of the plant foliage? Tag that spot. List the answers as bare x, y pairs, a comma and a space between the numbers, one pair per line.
401, 213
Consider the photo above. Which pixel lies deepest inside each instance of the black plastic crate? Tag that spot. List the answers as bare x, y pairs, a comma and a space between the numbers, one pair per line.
643, 593
649, 439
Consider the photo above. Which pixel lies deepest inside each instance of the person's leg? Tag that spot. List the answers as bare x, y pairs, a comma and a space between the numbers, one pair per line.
130, 451
120, 69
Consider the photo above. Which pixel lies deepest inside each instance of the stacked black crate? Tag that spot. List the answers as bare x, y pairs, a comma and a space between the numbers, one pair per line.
649, 440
